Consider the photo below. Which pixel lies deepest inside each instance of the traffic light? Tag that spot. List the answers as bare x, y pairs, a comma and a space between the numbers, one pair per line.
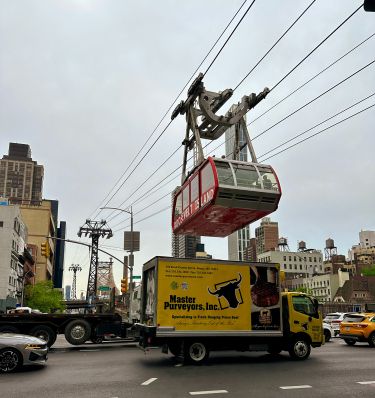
124, 285
45, 249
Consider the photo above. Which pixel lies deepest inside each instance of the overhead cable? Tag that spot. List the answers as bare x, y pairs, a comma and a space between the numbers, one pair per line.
314, 99
316, 47
313, 127
312, 78
171, 105
274, 45
319, 132
229, 37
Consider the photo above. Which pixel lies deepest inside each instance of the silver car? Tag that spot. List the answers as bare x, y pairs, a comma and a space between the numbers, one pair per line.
18, 349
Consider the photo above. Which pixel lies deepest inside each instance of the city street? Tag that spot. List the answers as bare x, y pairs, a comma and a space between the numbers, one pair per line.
122, 370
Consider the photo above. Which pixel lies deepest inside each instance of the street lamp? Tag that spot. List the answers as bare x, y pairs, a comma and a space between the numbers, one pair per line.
131, 256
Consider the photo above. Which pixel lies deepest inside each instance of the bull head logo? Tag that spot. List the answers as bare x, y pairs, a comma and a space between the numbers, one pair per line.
228, 290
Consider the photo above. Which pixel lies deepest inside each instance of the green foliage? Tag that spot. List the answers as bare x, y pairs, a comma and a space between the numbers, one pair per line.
368, 271
302, 289
43, 297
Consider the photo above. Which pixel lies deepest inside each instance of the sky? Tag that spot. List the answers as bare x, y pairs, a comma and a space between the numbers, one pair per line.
85, 83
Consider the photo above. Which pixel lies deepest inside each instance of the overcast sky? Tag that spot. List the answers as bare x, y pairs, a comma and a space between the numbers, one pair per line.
84, 83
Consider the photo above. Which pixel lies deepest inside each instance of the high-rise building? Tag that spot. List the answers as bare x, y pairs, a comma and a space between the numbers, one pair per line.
21, 178
267, 235
68, 289
251, 250
184, 246
239, 240
13, 237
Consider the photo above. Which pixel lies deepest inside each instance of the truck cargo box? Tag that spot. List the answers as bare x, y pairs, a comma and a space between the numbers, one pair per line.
211, 297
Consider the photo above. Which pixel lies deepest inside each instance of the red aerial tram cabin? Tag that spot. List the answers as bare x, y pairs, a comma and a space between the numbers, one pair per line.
222, 196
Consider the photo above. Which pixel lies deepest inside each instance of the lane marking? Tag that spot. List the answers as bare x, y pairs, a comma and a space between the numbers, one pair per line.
178, 365
208, 392
149, 381
366, 382
295, 387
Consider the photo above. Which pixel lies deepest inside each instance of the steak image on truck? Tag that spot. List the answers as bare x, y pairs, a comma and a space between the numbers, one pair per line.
194, 306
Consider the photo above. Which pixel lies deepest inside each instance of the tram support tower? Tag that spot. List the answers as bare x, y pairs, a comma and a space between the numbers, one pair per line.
202, 121
75, 268
94, 230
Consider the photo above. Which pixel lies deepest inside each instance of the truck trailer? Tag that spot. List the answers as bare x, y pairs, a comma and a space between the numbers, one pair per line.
193, 306
77, 328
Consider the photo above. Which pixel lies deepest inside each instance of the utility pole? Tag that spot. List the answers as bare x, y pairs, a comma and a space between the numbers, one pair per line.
94, 230
75, 268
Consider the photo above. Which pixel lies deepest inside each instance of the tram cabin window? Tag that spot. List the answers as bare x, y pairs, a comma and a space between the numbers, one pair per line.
194, 187
185, 197
207, 178
224, 173
178, 208
246, 176
268, 178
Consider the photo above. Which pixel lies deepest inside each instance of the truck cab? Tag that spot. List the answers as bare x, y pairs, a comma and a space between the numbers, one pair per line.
302, 323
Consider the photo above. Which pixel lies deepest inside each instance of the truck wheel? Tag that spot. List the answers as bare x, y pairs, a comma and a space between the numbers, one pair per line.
8, 329
77, 332
196, 352
327, 335
371, 340
349, 341
10, 360
299, 349
44, 333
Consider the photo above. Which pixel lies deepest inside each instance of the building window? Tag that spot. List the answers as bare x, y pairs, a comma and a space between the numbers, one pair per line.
1, 224
284, 258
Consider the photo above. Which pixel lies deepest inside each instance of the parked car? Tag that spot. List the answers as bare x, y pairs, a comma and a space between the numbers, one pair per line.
328, 331
358, 327
334, 319
17, 350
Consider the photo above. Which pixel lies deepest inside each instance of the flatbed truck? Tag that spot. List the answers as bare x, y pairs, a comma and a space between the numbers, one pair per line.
77, 328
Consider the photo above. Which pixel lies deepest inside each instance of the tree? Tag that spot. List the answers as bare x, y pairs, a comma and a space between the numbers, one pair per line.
302, 289
44, 297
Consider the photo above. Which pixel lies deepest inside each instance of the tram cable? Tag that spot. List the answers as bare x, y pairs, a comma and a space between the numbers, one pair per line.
313, 100
321, 131
171, 105
229, 37
316, 47
274, 45
312, 78
313, 127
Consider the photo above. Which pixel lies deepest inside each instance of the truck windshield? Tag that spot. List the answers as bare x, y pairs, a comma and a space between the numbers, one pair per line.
304, 305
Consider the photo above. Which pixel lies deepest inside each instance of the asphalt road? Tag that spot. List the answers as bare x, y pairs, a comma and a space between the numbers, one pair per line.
122, 370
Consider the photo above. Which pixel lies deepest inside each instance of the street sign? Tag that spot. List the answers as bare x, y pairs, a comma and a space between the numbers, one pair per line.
131, 241
137, 277
104, 288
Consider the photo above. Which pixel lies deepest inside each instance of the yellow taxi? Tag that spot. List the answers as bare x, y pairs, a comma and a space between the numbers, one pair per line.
358, 327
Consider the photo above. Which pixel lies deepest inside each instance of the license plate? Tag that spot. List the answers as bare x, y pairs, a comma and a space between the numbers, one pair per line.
347, 328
